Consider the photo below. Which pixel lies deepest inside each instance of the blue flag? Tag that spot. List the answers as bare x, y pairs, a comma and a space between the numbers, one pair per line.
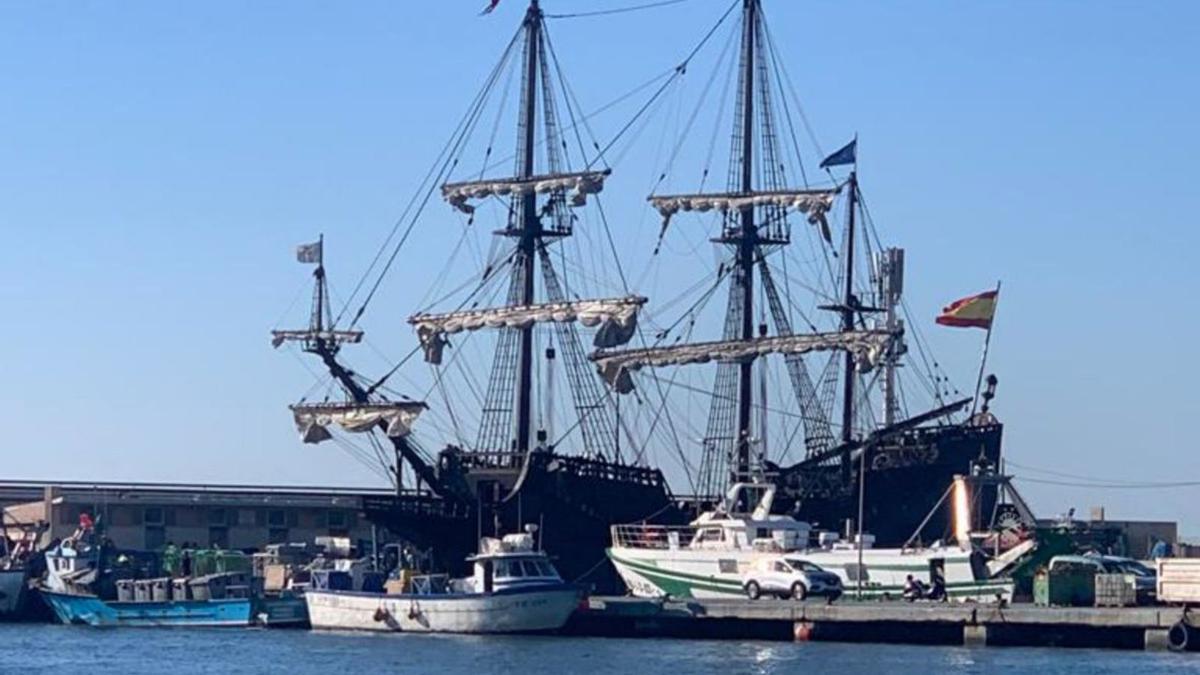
844, 156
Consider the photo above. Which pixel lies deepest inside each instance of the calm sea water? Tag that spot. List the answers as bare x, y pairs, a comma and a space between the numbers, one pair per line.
30, 649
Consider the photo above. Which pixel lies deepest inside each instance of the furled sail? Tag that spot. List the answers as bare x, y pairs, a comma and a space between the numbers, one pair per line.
579, 184
814, 203
866, 346
278, 337
616, 318
313, 419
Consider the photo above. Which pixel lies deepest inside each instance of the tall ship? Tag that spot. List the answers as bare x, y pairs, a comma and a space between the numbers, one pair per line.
555, 391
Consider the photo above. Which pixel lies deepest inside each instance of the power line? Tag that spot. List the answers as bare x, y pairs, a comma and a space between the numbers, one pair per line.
1076, 476
1111, 486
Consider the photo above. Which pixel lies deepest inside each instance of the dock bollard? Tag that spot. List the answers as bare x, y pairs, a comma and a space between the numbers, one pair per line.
1183, 637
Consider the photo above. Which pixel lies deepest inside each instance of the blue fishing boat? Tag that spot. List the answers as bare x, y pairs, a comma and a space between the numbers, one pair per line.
85, 585
91, 610
281, 610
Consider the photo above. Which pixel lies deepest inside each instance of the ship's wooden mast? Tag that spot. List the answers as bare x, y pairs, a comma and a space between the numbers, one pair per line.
746, 243
530, 230
849, 303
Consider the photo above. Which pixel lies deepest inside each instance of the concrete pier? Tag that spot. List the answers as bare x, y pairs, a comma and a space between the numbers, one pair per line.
893, 622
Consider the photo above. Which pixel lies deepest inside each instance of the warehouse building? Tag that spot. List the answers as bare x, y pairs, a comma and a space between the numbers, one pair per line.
147, 516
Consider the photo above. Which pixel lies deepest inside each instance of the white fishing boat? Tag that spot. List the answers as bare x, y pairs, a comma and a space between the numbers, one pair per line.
710, 557
514, 589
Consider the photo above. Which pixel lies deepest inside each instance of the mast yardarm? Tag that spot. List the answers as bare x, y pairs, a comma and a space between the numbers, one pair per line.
615, 317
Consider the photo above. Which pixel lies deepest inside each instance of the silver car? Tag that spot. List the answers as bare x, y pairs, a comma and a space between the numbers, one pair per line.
790, 577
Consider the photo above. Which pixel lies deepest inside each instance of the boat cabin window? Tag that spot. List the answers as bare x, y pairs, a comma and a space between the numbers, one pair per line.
856, 572
711, 534
763, 533
524, 568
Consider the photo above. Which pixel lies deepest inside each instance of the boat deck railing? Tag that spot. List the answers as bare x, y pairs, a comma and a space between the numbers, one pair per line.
653, 536
430, 584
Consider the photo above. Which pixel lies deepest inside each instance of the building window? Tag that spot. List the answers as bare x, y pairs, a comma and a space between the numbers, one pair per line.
153, 515
276, 518
156, 537
69, 515
216, 517
277, 535
339, 524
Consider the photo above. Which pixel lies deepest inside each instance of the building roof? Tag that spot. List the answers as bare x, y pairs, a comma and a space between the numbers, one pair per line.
185, 494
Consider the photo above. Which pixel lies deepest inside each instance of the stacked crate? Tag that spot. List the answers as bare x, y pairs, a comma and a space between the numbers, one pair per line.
1115, 590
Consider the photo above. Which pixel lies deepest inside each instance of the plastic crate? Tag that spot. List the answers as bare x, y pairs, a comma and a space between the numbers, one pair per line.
180, 590
125, 591
160, 589
1115, 590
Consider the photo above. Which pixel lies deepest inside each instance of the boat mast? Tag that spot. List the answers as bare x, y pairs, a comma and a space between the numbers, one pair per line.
530, 229
317, 321
747, 242
849, 305
889, 270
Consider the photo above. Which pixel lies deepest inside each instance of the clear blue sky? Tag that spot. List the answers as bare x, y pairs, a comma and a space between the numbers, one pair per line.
158, 161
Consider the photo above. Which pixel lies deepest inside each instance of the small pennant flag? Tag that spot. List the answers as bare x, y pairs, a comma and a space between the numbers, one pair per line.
847, 155
309, 253
975, 311
491, 6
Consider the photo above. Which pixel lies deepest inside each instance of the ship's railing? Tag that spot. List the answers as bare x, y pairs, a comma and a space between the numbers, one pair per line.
653, 536
575, 465
627, 473
431, 584
420, 504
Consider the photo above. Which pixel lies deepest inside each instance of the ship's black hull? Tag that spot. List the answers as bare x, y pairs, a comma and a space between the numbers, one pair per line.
905, 478
574, 502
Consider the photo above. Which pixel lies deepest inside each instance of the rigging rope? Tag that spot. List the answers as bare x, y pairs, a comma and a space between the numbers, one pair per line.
615, 10
432, 177
679, 70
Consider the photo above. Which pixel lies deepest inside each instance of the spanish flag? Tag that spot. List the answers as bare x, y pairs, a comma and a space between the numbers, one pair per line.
975, 311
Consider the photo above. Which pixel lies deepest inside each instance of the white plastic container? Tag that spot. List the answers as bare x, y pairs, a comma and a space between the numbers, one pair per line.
1178, 580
